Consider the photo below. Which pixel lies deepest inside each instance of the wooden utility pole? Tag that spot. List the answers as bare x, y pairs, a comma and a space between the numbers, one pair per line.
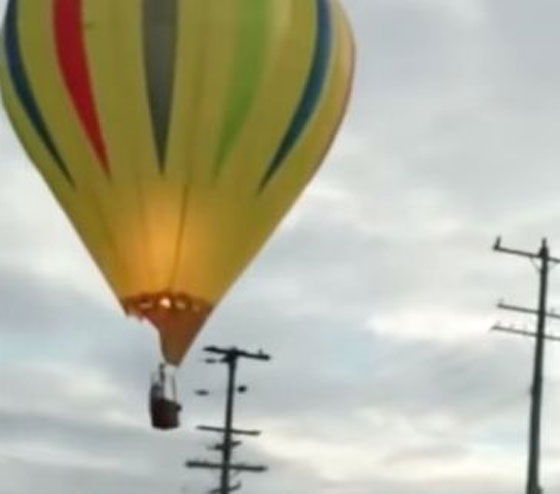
230, 357
544, 262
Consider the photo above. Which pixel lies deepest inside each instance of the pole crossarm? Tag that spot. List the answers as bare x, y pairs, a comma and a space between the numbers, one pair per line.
233, 488
221, 430
237, 467
522, 332
234, 352
522, 253
221, 446
526, 310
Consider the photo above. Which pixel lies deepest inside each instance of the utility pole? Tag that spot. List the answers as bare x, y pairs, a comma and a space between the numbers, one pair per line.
544, 261
230, 357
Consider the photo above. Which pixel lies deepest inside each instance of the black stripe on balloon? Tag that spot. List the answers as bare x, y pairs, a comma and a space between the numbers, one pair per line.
23, 88
160, 50
312, 92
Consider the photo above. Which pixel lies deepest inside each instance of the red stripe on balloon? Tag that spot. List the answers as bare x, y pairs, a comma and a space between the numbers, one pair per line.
72, 58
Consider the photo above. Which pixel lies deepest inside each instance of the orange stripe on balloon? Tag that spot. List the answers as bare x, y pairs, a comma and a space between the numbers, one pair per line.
73, 63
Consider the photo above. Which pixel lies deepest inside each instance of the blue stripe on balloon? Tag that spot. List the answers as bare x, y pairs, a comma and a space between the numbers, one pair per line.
22, 86
312, 92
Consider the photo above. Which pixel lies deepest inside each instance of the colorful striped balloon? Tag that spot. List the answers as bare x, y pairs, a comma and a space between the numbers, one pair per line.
175, 134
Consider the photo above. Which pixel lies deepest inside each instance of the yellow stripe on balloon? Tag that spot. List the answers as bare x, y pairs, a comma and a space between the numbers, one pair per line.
213, 81
292, 42
84, 218
302, 162
82, 203
262, 212
111, 47
218, 246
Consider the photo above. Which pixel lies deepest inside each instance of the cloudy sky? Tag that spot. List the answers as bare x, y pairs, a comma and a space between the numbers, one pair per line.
375, 297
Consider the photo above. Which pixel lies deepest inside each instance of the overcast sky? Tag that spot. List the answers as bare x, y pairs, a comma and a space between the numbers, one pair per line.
375, 297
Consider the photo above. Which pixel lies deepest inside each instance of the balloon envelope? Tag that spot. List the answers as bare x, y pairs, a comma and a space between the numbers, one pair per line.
175, 133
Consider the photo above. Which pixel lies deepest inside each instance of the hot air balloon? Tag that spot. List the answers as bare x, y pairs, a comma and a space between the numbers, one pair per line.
175, 134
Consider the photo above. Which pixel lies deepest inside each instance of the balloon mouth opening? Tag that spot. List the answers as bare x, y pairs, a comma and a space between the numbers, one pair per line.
177, 316
142, 305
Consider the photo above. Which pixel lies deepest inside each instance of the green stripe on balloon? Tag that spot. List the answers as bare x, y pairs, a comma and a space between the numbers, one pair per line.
253, 23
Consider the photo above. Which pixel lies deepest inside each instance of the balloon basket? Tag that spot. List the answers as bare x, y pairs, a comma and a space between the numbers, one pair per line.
164, 408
